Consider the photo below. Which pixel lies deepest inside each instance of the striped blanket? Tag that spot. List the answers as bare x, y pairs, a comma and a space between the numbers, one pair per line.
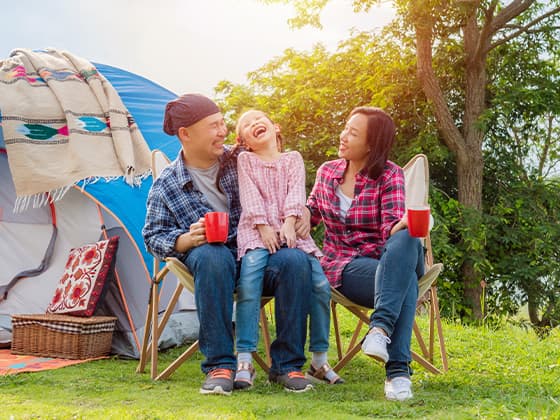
62, 123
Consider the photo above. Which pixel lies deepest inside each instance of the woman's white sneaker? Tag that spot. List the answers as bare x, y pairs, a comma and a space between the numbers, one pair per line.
375, 345
398, 389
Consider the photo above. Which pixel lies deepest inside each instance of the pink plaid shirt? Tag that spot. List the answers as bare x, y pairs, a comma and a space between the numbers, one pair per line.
377, 206
270, 192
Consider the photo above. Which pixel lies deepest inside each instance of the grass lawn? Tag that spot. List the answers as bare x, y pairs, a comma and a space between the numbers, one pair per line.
494, 373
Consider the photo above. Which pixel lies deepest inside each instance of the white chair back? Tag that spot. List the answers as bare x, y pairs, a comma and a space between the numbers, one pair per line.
416, 174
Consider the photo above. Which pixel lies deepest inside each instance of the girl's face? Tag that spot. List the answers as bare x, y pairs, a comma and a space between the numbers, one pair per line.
353, 144
257, 131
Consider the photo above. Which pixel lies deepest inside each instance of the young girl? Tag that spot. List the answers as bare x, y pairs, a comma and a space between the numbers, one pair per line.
272, 193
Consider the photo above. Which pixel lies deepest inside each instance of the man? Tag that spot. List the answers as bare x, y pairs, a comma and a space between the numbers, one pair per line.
202, 179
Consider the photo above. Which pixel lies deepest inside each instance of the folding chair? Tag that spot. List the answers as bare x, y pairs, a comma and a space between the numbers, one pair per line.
154, 327
417, 187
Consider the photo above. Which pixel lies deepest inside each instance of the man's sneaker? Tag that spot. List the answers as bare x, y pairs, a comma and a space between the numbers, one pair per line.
375, 345
398, 389
244, 376
218, 381
292, 381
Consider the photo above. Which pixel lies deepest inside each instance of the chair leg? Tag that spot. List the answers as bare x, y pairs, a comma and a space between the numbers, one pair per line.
443, 351
266, 340
155, 335
260, 361
420, 339
172, 302
422, 361
158, 326
147, 329
173, 366
350, 353
336, 331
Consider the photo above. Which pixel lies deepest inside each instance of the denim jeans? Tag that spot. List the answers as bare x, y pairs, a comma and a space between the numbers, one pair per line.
390, 286
214, 270
249, 290
287, 277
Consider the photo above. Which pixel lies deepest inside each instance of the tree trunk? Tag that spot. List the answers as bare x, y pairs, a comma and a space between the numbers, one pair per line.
465, 144
469, 179
470, 161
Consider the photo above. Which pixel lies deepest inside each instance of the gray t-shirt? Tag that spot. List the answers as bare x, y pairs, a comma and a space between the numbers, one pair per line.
205, 181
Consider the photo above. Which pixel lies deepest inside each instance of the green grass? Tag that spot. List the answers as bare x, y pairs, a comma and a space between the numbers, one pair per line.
494, 373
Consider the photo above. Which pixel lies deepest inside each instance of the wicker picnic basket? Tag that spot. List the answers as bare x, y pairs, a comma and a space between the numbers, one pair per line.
67, 337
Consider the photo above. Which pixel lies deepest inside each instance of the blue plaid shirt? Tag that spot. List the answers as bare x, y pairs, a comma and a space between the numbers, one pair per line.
174, 204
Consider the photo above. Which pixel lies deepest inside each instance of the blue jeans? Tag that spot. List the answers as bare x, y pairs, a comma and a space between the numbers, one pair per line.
390, 286
287, 277
249, 290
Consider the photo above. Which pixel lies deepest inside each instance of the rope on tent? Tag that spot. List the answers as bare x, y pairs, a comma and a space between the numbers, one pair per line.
44, 262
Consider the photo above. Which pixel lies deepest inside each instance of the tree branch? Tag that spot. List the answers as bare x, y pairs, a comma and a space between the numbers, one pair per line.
514, 9
450, 133
523, 29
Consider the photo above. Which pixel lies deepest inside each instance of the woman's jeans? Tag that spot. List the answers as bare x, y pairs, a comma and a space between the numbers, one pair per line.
248, 303
390, 286
287, 277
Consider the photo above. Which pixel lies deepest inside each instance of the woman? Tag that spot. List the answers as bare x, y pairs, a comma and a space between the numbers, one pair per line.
368, 254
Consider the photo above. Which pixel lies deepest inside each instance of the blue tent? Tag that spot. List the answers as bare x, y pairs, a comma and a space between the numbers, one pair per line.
114, 205
146, 102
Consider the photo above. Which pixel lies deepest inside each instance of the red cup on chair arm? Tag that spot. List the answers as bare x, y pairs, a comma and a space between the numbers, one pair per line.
418, 221
217, 224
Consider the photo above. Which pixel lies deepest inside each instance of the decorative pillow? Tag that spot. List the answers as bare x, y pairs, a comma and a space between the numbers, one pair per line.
86, 270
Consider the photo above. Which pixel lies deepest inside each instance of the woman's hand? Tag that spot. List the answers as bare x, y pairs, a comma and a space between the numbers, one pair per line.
196, 236
303, 224
401, 224
269, 238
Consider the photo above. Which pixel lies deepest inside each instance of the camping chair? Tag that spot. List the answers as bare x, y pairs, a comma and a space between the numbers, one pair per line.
416, 187
154, 327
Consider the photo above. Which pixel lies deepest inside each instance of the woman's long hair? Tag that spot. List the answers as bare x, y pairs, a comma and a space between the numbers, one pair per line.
380, 136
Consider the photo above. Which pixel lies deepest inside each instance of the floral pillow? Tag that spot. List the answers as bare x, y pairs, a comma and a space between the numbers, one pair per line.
84, 276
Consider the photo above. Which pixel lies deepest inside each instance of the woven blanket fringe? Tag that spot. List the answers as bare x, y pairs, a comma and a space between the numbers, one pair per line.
134, 181
39, 200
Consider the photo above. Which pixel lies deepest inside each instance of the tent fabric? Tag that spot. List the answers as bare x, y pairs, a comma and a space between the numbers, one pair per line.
58, 112
81, 216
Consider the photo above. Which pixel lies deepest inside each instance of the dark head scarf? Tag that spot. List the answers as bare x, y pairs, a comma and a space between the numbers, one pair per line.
187, 110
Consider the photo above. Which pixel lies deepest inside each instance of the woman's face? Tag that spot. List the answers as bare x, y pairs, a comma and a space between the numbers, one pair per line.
257, 131
353, 145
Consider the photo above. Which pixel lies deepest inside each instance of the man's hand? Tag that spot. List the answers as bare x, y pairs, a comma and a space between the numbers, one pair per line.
196, 236
303, 224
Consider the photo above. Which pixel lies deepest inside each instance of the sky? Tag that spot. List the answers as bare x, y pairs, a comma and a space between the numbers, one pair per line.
183, 45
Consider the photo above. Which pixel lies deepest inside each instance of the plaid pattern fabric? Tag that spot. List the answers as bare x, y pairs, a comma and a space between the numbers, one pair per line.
174, 204
378, 204
270, 192
67, 326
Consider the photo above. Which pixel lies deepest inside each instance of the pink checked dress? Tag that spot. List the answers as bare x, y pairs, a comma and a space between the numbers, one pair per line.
270, 192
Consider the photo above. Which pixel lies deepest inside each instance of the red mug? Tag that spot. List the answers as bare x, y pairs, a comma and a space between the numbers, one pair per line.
418, 221
217, 224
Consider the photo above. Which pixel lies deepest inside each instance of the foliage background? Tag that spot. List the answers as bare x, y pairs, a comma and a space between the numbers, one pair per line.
511, 241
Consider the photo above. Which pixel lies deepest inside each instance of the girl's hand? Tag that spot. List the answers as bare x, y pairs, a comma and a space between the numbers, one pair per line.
288, 234
269, 238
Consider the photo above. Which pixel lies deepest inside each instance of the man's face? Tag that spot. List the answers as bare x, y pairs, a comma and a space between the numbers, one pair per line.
205, 138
